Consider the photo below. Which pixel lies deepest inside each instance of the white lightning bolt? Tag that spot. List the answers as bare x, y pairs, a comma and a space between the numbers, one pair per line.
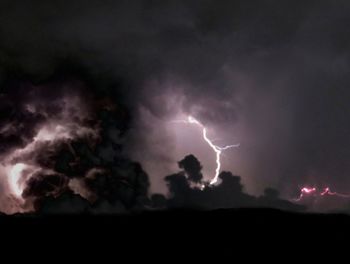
217, 149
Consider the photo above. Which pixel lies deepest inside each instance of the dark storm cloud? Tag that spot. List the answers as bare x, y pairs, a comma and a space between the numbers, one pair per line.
25, 107
64, 149
279, 68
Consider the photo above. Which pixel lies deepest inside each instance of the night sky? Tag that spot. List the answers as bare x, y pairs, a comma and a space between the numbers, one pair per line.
118, 75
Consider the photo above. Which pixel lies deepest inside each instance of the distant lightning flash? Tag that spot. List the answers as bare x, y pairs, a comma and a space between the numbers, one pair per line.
217, 149
327, 191
305, 191
15, 174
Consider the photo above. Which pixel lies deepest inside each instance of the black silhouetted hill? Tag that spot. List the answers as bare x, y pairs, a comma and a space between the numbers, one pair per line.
220, 231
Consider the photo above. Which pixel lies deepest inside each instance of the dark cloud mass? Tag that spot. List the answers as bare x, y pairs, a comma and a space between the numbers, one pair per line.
272, 75
60, 131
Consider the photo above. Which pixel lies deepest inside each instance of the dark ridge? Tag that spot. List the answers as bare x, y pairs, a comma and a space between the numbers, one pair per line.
218, 233
223, 218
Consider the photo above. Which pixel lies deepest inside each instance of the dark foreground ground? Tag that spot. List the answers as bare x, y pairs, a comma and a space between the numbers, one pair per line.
173, 223
176, 232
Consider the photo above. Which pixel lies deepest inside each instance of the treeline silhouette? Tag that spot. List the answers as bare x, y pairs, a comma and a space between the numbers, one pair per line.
187, 190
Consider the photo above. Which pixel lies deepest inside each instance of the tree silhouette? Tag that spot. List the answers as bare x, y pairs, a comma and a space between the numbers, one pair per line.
229, 193
192, 168
179, 189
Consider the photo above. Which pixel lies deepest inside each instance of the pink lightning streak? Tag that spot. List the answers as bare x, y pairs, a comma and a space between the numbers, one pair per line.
217, 149
327, 191
305, 191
